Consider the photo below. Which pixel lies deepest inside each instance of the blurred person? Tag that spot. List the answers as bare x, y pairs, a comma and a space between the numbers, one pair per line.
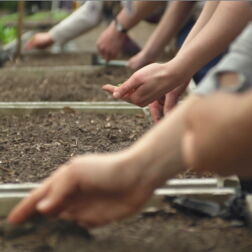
219, 126
160, 85
97, 189
87, 17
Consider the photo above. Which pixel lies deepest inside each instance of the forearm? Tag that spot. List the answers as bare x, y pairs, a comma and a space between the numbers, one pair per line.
206, 14
141, 10
226, 23
81, 21
159, 151
175, 16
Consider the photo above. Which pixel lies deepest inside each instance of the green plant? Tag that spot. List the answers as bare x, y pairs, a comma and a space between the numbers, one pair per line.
7, 34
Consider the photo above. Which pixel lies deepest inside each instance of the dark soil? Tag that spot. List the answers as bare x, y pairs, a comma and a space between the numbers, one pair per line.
69, 84
49, 59
32, 146
168, 230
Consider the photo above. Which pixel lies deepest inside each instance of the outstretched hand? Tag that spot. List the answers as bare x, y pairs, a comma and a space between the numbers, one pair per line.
147, 84
91, 190
162, 106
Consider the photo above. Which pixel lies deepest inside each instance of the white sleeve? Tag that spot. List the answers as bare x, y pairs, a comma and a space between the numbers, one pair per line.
79, 22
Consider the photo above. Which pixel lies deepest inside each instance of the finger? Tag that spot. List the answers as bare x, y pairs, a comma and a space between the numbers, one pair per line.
127, 87
27, 207
170, 101
156, 111
172, 97
109, 88
62, 187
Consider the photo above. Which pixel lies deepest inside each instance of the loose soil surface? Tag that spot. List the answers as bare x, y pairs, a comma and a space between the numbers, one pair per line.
49, 59
64, 84
167, 230
32, 146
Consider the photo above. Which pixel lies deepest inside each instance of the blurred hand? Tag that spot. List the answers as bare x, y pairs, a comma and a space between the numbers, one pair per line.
166, 103
91, 190
140, 60
218, 135
148, 84
40, 41
110, 43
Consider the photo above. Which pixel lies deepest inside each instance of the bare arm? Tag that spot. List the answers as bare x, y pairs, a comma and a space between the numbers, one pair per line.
228, 20
205, 16
110, 42
226, 23
141, 10
218, 135
159, 151
175, 16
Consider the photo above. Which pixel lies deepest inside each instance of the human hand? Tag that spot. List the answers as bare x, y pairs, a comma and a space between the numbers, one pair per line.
159, 108
148, 84
40, 41
218, 135
140, 60
91, 190
110, 43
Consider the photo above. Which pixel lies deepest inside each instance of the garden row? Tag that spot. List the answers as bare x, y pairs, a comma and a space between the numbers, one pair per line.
51, 111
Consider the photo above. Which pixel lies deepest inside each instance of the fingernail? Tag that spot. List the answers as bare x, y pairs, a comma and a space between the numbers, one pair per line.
43, 204
116, 95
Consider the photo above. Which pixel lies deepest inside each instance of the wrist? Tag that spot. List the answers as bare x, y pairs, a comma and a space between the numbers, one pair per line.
129, 171
181, 71
116, 31
149, 54
147, 166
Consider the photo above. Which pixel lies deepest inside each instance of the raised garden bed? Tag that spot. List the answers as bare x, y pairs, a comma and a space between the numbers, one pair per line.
81, 83
46, 58
33, 145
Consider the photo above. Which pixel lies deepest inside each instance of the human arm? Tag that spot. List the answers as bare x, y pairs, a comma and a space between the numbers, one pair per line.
110, 42
218, 127
97, 189
175, 16
218, 135
206, 14
225, 24
153, 81
79, 22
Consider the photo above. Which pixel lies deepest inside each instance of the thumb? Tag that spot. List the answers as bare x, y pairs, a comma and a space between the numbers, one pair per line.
156, 111
170, 101
109, 88
128, 86
56, 199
